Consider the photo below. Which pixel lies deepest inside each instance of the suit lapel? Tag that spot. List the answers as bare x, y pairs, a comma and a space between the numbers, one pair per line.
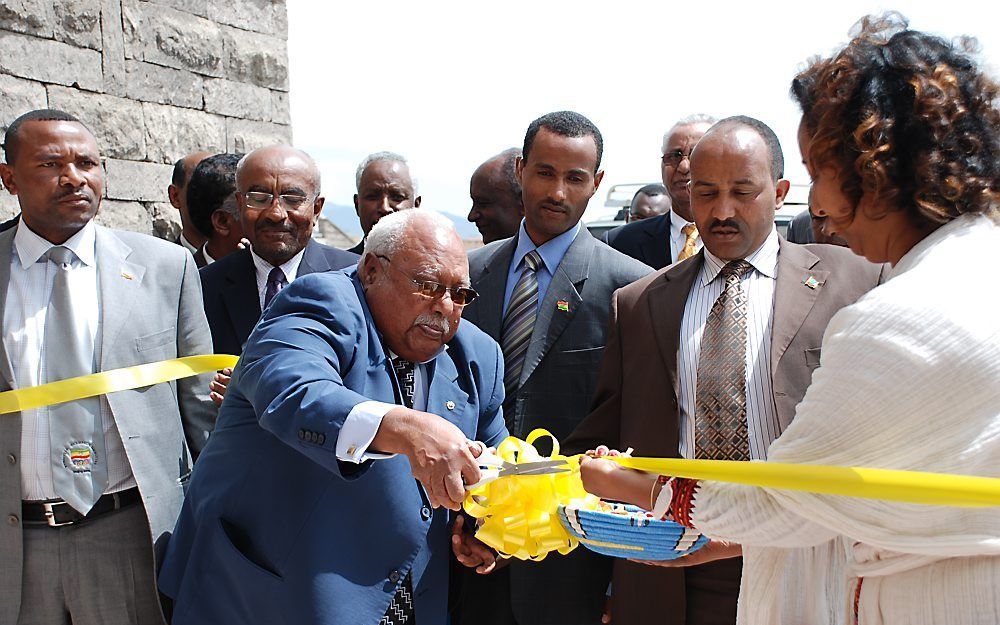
119, 281
567, 282
656, 246
666, 307
793, 295
492, 285
313, 260
444, 397
241, 299
6, 252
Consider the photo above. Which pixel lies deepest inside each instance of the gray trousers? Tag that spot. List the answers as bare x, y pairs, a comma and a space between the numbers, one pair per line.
96, 573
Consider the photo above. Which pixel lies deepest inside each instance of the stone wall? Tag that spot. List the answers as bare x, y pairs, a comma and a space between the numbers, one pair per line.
154, 80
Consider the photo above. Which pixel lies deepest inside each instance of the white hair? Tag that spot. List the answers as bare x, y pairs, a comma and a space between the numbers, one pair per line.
386, 236
690, 120
375, 157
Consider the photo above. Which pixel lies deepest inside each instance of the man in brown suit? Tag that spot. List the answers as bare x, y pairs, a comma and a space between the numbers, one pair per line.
648, 394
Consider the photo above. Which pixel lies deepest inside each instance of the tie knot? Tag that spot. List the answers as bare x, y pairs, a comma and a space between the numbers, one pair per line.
533, 260
736, 269
277, 276
61, 255
689, 230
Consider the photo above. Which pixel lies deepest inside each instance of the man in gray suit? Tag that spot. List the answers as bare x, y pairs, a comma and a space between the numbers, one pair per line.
91, 488
544, 296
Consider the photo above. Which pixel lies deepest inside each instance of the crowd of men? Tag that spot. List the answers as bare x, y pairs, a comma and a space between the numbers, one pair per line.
332, 462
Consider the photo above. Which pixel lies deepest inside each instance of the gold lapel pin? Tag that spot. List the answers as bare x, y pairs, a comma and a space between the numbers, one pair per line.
450, 405
127, 276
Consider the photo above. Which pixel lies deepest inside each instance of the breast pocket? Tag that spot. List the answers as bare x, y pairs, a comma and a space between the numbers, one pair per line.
157, 339
812, 357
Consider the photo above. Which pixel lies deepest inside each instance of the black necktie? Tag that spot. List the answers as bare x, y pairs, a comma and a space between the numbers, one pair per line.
276, 281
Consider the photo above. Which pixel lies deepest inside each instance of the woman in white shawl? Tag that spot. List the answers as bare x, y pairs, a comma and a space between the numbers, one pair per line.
900, 135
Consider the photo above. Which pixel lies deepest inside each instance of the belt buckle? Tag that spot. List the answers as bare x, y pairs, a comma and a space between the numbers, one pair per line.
50, 515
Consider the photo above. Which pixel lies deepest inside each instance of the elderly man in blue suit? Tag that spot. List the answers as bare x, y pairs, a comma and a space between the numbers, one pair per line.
303, 507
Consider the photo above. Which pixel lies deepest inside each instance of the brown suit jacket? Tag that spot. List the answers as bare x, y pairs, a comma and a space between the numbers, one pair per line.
636, 403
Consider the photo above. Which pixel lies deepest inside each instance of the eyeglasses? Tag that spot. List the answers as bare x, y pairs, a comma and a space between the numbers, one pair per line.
258, 200
460, 295
674, 157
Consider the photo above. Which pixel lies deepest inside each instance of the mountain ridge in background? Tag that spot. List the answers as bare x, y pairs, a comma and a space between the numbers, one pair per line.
346, 219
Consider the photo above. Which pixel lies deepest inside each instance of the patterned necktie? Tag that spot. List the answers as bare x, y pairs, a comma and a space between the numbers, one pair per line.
275, 282
690, 232
76, 433
400, 610
518, 324
721, 414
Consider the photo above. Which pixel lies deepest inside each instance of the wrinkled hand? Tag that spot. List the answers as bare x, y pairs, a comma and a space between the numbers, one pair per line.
713, 550
470, 551
217, 387
441, 458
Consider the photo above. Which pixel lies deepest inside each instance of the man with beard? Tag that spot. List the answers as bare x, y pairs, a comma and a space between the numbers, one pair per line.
278, 202
662, 240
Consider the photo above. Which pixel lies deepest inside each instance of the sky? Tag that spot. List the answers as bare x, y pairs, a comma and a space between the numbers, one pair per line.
449, 84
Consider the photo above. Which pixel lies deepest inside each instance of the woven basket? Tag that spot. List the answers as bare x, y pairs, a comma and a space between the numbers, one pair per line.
626, 531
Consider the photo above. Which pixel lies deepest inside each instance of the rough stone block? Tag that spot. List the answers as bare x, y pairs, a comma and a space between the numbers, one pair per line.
197, 7
262, 16
115, 122
19, 97
124, 216
33, 17
163, 85
236, 99
132, 180
243, 136
173, 132
8, 205
112, 47
50, 61
280, 111
166, 221
255, 58
78, 22
165, 36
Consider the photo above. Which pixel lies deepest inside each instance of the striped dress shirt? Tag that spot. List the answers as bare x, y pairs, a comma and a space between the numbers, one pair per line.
758, 285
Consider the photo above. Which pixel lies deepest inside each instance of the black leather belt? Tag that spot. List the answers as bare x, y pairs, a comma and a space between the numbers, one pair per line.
58, 513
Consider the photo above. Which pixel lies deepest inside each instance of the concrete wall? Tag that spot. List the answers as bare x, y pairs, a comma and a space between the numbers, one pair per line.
154, 80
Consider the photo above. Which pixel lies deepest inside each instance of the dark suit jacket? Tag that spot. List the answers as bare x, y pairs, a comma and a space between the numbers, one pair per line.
274, 528
359, 248
647, 241
636, 404
232, 302
556, 386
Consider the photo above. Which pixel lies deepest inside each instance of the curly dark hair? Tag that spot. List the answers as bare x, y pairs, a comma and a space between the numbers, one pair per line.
907, 119
565, 124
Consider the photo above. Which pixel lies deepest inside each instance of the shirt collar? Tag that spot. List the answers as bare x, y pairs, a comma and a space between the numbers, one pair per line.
290, 267
764, 260
552, 251
393, 355
31, 247
676, 223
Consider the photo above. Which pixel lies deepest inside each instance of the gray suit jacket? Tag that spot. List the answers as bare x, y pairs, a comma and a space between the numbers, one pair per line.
151, 310
556, 387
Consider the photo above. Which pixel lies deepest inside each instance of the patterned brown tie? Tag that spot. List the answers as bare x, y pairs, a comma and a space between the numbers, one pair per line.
721, 414
690, 233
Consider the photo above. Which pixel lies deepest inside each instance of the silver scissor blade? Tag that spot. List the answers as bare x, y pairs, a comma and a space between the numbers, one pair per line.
541, 467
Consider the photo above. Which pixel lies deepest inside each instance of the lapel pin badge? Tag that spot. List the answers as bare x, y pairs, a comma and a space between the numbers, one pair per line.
450, 405
811, 282
562, 305
127, 275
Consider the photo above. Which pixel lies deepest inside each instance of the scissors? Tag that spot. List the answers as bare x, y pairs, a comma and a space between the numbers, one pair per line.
493, 467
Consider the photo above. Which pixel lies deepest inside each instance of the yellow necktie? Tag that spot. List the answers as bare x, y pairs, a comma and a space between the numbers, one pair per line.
690, 243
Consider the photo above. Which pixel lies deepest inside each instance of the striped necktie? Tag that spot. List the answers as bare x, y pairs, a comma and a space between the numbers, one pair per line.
518, 324
721, 395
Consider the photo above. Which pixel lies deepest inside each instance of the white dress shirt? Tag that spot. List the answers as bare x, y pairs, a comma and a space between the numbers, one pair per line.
678, 238
189, 246
28, 292
758, 285
263, 269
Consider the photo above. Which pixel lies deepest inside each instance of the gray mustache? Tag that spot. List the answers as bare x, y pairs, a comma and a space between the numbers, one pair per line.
438, 323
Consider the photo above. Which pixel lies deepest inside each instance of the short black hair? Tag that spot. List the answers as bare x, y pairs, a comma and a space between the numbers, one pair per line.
774, 153
211, 183
509, 171
10, 137
565, 124
650, 190
180, 175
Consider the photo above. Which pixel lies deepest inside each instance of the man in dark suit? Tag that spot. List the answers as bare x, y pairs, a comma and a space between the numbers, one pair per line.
384, 186
211, 206
659, 380
544, 296
303, 507
665, 239
278, 202
496, 197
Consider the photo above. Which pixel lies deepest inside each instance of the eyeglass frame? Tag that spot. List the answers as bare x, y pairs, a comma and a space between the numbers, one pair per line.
676, 156
281, 198
469, 294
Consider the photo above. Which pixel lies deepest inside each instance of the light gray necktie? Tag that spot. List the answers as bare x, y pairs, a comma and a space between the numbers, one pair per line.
76, 433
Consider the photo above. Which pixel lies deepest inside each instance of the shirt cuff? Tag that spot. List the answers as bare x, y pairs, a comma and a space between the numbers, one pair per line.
359, 431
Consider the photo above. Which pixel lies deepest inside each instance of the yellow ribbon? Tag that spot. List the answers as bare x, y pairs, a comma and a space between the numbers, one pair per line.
520, 514
112, 381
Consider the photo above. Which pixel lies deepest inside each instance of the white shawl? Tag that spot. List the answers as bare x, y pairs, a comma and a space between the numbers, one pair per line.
909, 379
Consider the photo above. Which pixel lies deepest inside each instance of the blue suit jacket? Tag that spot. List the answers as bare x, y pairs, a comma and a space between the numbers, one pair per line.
274, 528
